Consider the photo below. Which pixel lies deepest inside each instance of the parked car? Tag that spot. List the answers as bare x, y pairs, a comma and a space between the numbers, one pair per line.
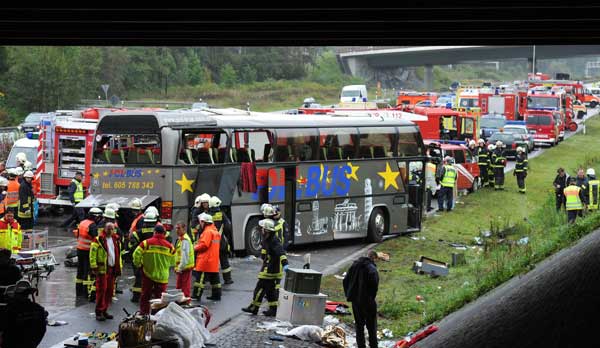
521, 133
491, 124
31, 122
507, 139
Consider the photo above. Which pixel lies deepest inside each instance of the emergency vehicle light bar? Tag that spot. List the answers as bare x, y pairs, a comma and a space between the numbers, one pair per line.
71, 131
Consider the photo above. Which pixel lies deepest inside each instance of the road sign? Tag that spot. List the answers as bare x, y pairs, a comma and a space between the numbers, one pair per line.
105, 88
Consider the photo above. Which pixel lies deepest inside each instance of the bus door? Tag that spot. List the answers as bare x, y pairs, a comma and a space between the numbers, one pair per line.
413, 196
282, 193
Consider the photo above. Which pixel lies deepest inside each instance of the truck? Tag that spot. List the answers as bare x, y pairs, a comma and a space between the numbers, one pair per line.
408, 99
446, 124
508, 102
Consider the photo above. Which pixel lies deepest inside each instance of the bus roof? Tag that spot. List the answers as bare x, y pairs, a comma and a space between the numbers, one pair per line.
150, 122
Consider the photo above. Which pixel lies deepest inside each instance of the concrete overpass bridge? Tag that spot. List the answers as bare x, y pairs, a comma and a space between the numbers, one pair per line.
366, 62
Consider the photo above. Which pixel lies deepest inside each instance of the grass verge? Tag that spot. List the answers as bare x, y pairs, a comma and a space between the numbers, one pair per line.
508, 215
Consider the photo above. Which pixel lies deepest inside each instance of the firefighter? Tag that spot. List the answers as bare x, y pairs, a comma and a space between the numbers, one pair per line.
521, 167
560, 183
136, 207
26, 199
282, 229
430, 183
109, 216
201, 205
10, 232
498, 163
154, 256
12, 192
274, 264
21, 160
119, 235
207, 261
184, 259
473, 147
3, 195
593, 189
105, 263
574, 199
483, 161
223, 225
448, 177
144, 231
490, 168
85, 233
76, 195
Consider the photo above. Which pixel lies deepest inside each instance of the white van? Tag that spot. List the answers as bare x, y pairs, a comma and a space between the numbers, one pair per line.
354, 93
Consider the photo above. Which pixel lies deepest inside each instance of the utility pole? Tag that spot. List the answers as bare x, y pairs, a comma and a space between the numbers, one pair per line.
533, 63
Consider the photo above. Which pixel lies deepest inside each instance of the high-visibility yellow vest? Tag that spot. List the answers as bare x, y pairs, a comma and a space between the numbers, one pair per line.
190, 262
156, 258
573, 200
78, 195
594, 192
449, 176
279, 230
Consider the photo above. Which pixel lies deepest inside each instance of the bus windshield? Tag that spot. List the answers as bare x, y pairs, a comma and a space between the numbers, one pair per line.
127, 148
542, 102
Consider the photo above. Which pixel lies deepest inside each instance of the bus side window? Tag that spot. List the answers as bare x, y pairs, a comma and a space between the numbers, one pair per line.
252, 146
408, 144
340, 143
296, 145
378, 142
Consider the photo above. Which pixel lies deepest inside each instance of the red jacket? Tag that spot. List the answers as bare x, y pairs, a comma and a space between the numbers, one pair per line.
208, 250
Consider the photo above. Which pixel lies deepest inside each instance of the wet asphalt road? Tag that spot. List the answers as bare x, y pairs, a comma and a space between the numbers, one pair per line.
57, 293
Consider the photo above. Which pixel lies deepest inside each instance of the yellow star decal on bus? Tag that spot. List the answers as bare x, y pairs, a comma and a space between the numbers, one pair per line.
105, 173
389, 176
185, 183
96, 175
352, 174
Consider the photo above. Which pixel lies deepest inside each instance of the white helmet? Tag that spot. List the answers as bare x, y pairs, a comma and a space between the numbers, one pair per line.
11, 171
491, 147
27, 165
205, 197
95, 211
109, 213
135, 204
19, 171
206, 218
481, 141
151, 209
3, 181
498, 143
21, 158
268, 210
472, 143
590, 172
267, 224
214, 202
520, 149
150, 216
28, 174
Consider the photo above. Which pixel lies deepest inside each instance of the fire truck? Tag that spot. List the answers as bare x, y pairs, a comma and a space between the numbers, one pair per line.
540, 99
575, 88
65, 147
408, 99
511, 103
446, 124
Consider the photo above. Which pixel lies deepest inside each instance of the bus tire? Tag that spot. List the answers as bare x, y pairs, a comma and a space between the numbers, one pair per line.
377, 226
252, 237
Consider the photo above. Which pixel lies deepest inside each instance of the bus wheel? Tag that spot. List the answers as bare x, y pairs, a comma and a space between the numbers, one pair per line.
377, 226
253, 237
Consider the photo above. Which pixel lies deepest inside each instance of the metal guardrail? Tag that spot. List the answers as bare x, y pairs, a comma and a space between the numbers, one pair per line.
136, 103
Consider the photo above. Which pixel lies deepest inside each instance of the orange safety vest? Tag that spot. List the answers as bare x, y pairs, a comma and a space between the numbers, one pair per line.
84, 240
135, 222
12, 193
3, 206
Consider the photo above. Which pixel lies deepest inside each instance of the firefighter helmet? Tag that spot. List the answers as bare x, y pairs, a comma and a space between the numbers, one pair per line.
267, 224
27, 165
472, 143
109, 213
205, 197
28, 174
491, 147
520, 149
268, 210
135, 204
481, 141
206, 218
498, 144
214, 202
152, 209
19, 171
3, 181
95, 211
21, 158
150, 216
113, 206
590, 172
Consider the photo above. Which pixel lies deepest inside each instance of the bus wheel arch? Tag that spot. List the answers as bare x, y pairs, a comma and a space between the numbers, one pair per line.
378, 224
252, 236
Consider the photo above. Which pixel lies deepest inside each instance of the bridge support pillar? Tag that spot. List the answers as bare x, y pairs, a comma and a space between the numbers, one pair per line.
428, 77
531, 64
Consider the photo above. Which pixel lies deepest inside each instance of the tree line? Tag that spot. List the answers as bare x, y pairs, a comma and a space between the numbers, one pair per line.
43, 79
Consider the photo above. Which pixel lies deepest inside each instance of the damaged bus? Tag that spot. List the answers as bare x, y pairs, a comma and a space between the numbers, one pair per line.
333, 177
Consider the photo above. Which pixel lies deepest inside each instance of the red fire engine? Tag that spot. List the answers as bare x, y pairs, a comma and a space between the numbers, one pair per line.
575, 88
408, 99
510, 103
447, 124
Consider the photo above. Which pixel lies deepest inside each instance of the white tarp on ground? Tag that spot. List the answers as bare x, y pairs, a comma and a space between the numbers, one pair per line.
185, 325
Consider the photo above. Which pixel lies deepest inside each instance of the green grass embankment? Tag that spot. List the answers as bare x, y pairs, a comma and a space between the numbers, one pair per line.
532, 215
